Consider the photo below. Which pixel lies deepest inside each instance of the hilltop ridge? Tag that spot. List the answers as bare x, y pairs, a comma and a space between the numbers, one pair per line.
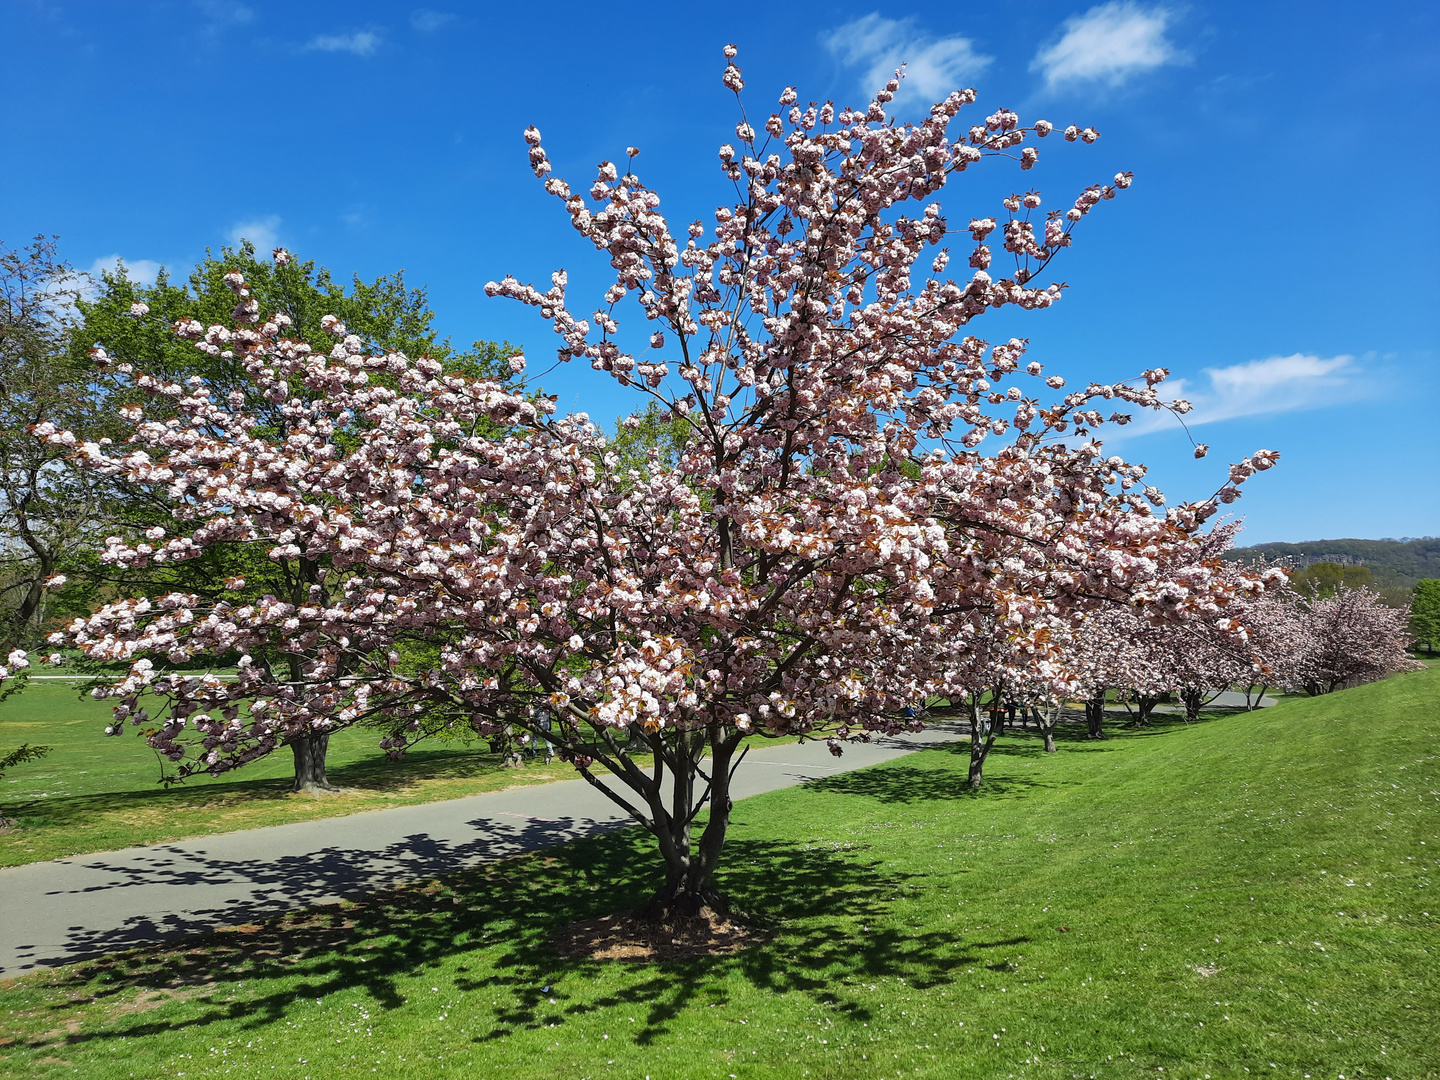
1395, 563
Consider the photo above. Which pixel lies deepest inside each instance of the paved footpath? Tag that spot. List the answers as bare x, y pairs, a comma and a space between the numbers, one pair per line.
77, 908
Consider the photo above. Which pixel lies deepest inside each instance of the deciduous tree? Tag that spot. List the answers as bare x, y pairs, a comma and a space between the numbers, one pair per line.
1348, 639
791, 572
1425, 614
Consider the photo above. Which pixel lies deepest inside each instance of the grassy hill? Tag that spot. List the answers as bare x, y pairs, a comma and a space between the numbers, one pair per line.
1393, 562
1251, 895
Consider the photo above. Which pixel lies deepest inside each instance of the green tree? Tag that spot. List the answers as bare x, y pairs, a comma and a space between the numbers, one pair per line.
652, 431
48, 512
1425, 614
134, 324
1323, 579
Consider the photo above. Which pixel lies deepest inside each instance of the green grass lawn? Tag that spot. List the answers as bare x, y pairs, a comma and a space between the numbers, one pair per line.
1253, 895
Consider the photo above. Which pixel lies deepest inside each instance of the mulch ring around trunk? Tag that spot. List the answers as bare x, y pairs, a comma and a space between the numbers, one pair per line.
624, 935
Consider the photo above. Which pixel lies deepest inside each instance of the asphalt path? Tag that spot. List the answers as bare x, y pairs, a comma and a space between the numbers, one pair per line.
73, 909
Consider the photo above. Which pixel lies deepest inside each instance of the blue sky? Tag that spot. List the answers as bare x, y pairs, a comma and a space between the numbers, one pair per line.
1277, 252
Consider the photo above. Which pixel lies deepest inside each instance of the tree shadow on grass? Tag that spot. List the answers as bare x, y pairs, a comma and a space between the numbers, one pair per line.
497, 921
911, 784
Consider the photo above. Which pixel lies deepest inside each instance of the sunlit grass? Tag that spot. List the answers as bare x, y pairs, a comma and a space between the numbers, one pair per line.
1254, 892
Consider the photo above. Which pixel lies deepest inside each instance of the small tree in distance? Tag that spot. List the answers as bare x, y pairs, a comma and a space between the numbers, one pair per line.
1425, 614
1347, 639
1322, 579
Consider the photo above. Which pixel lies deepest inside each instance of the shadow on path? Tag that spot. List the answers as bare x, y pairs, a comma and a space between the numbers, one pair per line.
265, 888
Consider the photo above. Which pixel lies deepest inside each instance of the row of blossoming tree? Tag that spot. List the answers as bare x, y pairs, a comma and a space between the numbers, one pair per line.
830, 545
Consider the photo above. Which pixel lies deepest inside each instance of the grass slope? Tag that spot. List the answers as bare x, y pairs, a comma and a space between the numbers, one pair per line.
1253, 895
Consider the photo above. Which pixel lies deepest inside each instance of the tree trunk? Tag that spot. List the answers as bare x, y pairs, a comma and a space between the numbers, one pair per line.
664, 797
689, 889
1095, 715
1193, 697
1045, 721
982, 738
309, 751
1144, 707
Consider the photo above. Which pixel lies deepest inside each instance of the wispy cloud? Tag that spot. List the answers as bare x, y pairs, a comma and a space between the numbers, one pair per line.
359, 215
427, 21
934, 66
263, 232
1109, 44
140, 271
358, 43
1276, 384
219, 14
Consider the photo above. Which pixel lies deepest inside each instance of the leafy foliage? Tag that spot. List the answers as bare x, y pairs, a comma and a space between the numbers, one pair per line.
1324, 579
20, 755
1425, 614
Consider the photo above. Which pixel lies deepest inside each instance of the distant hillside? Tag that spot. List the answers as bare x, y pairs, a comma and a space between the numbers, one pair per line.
1393, 562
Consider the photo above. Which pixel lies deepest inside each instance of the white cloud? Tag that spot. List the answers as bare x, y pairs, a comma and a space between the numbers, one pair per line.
263, 232
140, 271
1108, 44
360, 43
1273, 385
427, 21
933, 66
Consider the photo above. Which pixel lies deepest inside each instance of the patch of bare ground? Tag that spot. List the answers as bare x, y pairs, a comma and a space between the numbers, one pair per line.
153, 999
624, 935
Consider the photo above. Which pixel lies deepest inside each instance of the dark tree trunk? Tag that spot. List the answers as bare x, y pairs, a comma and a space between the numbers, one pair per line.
1194, 698
1144, 706
1095, 715
1045, 721
666, 796
309, 751
689, 889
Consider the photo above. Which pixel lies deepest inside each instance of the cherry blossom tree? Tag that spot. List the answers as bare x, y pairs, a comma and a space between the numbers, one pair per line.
135, 322
1347, 639
1150, 653
826, 521
1082, 584
1276, 637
